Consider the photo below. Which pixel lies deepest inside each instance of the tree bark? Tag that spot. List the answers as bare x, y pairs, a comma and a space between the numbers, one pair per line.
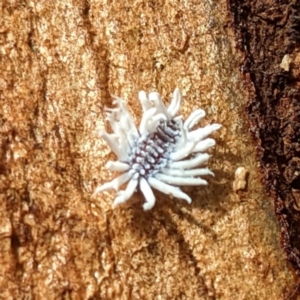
60, 64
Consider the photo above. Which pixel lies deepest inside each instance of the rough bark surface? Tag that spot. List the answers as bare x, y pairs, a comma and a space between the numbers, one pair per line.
269, 35
60, 62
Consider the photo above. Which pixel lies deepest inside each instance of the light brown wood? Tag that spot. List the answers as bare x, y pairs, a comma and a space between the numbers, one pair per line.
60, 62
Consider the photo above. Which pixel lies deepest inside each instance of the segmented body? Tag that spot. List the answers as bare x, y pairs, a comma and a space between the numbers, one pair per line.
152, 151
162, 153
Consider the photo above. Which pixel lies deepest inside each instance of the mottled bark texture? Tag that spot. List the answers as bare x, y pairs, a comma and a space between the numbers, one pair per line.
60, 62
269, 35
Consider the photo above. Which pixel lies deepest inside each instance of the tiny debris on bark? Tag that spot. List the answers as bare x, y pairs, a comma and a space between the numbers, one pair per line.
240, 179
285, 63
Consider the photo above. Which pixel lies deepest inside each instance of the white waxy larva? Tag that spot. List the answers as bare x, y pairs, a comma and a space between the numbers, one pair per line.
161, 154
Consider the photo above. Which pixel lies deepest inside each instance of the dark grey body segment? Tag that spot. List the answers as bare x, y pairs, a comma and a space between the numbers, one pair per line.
151, 153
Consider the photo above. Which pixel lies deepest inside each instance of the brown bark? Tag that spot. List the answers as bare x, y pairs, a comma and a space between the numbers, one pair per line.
60, 62
269, 36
